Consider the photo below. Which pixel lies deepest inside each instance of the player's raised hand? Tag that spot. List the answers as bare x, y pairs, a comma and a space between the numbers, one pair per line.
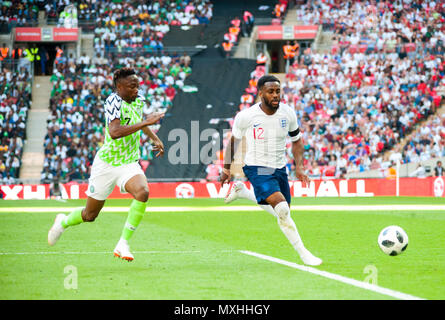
300, 175
154, 118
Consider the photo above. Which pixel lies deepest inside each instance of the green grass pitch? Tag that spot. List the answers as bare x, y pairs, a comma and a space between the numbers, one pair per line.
196, 255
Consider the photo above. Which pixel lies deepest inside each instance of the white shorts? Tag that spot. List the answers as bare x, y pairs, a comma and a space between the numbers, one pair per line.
104, 177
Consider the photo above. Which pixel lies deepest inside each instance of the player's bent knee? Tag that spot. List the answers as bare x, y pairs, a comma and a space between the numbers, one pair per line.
282, 209
142, 194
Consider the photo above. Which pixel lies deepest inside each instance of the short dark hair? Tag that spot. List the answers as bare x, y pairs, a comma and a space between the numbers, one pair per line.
266, 78
122, 73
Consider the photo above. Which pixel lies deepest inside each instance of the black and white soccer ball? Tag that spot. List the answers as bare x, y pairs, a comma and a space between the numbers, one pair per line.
393, 240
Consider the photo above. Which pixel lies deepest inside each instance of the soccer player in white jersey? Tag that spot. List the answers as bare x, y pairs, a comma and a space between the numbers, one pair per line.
266, 126
116, 163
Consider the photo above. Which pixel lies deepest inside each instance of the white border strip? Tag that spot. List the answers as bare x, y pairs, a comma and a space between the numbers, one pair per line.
241, 208
356, 283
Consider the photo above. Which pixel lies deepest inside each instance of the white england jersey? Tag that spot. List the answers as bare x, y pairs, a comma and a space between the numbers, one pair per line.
266, 134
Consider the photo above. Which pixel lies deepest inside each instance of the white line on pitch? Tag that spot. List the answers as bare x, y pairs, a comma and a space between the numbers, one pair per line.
333, 276
242, 208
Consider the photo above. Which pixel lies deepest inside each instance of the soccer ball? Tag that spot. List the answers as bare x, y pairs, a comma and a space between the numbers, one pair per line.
393, 240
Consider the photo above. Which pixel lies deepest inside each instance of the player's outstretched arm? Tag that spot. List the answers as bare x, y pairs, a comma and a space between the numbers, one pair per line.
297, 152
118, 131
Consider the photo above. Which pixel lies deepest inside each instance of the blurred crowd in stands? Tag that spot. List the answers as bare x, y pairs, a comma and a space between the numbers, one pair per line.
122, 27
131, 19
15, 100
105, 13
384, 75
19, 13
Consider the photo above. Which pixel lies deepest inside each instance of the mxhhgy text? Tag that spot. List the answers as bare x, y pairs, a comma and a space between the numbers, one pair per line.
222, 309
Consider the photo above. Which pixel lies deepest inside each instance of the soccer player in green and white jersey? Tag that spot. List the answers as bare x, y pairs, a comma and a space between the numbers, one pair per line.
116, 163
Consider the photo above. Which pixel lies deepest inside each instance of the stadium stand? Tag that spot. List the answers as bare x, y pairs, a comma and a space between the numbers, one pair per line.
15, 100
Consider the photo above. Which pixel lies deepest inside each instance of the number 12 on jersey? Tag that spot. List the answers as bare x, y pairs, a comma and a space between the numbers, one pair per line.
258, 133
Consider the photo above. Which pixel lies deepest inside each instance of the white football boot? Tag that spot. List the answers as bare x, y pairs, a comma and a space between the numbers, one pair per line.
56, 230
122, 251
309, 259
235, 192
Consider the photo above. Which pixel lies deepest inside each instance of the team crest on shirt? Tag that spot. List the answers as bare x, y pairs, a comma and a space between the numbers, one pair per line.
283, 122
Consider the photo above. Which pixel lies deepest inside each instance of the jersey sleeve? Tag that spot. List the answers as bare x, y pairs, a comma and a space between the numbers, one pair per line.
239, 125
294, 129
113, 108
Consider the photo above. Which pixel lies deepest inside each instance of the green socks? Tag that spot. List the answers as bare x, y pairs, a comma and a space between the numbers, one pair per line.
75, 217
135, 215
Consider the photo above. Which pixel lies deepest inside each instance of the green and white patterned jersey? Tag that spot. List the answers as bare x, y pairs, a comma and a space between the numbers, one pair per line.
126, 149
